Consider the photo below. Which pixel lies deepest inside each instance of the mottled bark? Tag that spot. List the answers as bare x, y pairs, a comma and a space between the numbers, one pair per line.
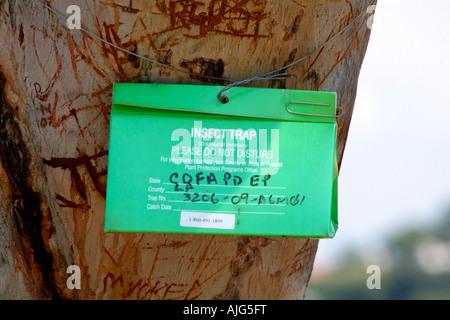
55, 97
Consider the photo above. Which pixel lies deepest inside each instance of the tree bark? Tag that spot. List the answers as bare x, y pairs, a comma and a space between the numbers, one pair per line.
55, 98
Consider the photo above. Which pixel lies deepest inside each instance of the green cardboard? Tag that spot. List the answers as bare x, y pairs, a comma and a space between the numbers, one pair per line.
180, 161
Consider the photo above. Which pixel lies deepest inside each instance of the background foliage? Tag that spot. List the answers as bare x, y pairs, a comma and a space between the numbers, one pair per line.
415, 265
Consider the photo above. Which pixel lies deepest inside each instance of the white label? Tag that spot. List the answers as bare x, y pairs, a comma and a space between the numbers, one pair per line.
207, 220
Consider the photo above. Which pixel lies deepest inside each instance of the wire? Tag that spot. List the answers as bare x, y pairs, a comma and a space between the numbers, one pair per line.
272, 75
130, 52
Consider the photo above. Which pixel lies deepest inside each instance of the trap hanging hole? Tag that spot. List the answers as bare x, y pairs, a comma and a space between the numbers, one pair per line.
224, 99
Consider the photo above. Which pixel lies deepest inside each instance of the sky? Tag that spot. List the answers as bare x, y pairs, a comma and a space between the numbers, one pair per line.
395, 172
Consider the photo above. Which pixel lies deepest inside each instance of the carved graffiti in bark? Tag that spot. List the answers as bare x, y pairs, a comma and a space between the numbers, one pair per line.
204, 267
73, 165
240, 18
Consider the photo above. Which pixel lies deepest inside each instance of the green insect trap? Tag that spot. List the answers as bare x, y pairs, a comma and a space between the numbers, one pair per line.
262, 164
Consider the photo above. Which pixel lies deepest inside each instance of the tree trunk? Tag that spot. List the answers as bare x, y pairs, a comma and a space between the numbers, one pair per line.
55, 98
